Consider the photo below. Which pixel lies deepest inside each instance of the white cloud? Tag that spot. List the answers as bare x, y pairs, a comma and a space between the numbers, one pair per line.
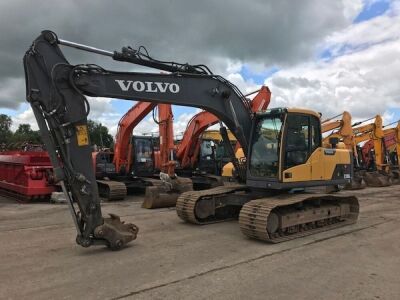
362, 78
351, 8
377, 30
364, 82
26, 117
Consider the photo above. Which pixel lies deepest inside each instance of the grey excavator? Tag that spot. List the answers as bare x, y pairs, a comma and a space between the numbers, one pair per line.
283, 146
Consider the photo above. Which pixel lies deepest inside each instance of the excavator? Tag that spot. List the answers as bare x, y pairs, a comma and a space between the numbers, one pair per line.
195, 138
342, 129
139, 165
352, 135
187, 149
374, 132
123, 144
391, 143
134, 164
283, 146
193, 154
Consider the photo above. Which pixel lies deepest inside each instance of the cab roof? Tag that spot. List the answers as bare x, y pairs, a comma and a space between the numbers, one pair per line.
290, 110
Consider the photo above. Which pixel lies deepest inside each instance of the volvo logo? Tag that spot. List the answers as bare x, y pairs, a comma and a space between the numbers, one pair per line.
148, 86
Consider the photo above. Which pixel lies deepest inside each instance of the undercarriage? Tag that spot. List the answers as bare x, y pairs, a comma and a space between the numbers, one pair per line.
273, 217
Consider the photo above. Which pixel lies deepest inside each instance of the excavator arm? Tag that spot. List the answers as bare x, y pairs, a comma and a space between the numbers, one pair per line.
343, 127
374, 132
56, 91
167, 147
391, 140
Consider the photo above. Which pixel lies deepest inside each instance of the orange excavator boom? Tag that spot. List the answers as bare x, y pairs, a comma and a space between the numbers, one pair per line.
167, 147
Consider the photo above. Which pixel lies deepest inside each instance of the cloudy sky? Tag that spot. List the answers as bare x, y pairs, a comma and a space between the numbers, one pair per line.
325, 55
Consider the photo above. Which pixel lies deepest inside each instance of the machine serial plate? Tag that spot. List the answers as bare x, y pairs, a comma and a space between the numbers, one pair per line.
82, 135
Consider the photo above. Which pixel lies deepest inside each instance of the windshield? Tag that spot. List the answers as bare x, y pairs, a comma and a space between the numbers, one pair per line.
206, 150
264, 159
143, 150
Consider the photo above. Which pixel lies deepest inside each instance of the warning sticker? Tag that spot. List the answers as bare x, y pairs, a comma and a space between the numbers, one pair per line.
82, 135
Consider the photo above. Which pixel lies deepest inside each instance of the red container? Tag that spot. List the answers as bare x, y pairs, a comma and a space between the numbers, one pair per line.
26, 173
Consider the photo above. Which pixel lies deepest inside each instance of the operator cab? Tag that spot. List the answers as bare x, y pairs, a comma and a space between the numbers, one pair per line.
143, 156
283, 151
104, 166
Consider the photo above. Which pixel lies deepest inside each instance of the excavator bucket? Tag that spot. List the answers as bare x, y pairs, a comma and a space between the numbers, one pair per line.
376, 179
395, 176
165, 195
357, 183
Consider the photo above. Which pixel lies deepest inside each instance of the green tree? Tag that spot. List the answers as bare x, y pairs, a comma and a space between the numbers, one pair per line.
99, 135
5, 131
25, 134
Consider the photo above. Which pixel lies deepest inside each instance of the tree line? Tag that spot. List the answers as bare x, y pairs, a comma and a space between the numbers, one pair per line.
98, 134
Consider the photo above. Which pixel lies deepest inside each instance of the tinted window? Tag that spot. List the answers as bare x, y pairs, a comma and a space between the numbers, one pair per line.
297, 140
315, 133
264, 159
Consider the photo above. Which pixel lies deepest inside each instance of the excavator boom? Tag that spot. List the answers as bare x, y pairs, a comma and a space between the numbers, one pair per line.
56, 91
274, 142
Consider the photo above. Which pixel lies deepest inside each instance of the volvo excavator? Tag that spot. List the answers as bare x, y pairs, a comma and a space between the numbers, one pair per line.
283, 146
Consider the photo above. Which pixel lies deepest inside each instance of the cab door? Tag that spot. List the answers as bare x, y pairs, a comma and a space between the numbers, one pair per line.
317, 152
297, 148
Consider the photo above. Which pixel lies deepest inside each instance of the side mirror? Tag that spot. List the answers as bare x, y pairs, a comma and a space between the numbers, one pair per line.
333, 141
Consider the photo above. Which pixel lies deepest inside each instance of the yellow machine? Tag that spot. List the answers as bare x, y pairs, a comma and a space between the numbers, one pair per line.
215, 135
228, 169
374, 132
344, 130
283, 147
394, 147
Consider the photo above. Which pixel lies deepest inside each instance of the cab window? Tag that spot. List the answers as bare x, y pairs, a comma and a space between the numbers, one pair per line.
297, 147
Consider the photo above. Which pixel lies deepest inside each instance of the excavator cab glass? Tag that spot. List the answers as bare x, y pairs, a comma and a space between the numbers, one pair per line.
293, 136
104, 165
264, 158
207, 156
297, 141
143, 156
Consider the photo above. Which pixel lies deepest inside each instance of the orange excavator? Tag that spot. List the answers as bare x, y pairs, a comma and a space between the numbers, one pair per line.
123, 144
135, 164
188, 154
189, 148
